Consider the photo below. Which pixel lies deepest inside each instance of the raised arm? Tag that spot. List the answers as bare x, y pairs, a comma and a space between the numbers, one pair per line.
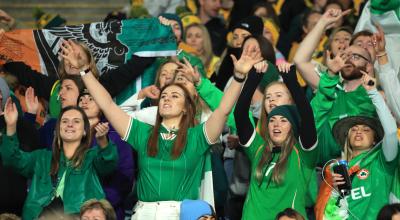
326, 94
387, 75
118, 118
303, 56
215, 123
307, 131
390, 141
245, 129
11, 154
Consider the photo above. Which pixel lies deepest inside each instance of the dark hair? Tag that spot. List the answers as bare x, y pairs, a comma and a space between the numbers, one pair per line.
291, 213
266, 48
101, 204
335, 2
388, 211
80, 152
76, 79
363, 33
268, 7
342, 7
306, 15
187, 121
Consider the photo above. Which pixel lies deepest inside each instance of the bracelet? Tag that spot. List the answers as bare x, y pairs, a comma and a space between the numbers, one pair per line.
238, 79
381, 55
84, 72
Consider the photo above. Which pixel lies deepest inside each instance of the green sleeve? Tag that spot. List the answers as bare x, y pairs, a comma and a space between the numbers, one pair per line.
212, 96
257, 142
324, 98
106, 159
209, 93
382, 6
22, 162
54, 101
137, 134
199, 138
308, 156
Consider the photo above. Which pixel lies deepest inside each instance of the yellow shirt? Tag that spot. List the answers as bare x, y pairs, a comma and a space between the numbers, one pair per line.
210, 69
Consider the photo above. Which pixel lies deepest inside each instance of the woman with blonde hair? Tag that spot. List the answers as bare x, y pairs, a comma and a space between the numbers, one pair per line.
196, 36
370, 149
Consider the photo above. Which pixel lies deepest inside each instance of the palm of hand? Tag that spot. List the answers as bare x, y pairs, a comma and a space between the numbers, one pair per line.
244, 64
11, 116
335, 64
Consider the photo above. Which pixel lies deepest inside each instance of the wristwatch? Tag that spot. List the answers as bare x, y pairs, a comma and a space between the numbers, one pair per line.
85, 71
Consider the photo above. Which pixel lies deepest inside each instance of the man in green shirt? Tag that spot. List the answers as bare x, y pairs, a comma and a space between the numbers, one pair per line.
336, 99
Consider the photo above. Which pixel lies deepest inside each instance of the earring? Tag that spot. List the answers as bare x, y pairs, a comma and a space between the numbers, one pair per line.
84, 134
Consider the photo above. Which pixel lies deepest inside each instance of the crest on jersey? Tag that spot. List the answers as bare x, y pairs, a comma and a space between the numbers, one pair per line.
363, 174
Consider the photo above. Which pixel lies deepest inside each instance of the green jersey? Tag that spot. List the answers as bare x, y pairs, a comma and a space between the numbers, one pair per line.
162, 178
266, 200
332, 103
371, 185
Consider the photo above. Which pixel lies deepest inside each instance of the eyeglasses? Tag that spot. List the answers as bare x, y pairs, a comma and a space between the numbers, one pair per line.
357, 57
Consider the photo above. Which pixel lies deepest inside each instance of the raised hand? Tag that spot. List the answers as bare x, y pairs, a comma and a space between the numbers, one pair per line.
6, 19
187, 69
164, 21
32, 103
10, 116
378, 40
368, 82
250, 56
70, 54
337, 63
102, 129
284, 67
152, 92
261, 67
331, 16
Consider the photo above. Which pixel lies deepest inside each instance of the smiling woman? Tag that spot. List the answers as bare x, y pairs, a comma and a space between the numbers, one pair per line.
73, 167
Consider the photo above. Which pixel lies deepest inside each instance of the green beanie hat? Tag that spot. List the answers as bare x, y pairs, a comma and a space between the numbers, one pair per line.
290, 113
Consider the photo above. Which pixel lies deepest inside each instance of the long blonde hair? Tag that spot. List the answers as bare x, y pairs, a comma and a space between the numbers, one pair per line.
280, 167
348, 149
207, 54
287, 147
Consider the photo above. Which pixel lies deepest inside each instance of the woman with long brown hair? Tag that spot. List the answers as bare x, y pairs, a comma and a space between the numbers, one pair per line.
172, 153
64, 178
282, 152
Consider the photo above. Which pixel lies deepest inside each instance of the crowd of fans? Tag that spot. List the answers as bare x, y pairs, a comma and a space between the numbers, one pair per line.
271, 109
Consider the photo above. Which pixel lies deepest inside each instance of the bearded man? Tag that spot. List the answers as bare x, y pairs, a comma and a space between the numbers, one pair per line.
341, 94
